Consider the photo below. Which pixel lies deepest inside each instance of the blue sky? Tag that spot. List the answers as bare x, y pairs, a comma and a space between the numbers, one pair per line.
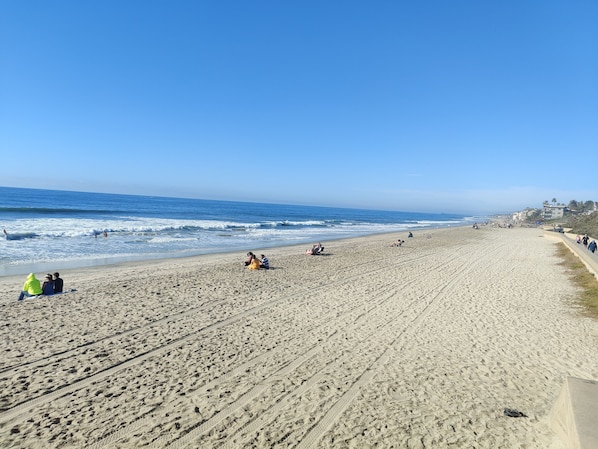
441, 106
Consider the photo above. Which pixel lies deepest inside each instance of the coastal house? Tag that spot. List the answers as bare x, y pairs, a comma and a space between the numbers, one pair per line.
523, 215
552, 212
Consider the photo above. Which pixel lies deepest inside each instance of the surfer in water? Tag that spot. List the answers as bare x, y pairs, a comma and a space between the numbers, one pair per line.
18, 235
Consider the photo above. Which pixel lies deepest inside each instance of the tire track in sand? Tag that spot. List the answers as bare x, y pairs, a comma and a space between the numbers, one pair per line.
316, 432
191, 434
293, 343
22, 407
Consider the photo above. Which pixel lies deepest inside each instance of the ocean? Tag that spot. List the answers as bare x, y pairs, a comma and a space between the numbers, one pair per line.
48, 230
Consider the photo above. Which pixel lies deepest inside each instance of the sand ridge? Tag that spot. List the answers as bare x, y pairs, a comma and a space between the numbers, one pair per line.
367, 345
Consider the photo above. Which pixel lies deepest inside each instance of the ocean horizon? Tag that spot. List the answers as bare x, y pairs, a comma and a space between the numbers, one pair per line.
49, 230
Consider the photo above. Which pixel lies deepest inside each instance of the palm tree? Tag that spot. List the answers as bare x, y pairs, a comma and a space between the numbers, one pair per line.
554, 200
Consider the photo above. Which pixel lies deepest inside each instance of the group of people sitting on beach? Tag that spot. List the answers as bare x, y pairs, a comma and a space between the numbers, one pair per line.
254, 263
315, 250
50, 286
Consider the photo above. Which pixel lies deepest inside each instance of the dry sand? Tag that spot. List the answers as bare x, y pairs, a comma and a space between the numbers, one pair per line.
368, 345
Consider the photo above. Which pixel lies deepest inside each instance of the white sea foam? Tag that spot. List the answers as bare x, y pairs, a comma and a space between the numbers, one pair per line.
73, 234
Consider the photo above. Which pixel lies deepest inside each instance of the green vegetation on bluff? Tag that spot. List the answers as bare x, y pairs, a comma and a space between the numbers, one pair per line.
583, 224
587, 283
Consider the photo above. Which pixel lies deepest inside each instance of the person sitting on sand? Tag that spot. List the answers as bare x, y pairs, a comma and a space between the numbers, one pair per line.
31, 287
254, 264
315, 250
398, 243
48, 286
264, 263
58, 283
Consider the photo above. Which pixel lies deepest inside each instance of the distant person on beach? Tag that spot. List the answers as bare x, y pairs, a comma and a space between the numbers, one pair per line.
58, 283
253, 263
398, 243
592, 246
31, 287
410, 234
265, 263
48, 286
105, 234
315, 250
5, 233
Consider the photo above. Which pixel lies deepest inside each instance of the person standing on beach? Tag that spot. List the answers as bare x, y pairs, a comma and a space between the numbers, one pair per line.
31, 287
58, 283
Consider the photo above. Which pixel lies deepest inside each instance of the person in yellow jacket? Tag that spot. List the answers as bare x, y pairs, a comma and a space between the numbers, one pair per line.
254, 264
31, 287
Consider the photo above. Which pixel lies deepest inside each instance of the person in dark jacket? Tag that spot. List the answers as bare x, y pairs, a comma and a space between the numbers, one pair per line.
58, 283
264, 263
48, 286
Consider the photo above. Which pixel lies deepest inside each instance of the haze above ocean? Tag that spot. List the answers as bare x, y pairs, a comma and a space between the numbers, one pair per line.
53, 230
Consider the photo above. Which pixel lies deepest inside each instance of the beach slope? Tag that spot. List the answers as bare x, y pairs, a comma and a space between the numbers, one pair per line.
367, 345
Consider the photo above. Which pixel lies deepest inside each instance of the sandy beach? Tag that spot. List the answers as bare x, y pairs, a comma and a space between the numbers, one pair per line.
367, 345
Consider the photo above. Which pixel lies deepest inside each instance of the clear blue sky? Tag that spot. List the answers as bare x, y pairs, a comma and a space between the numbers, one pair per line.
444, 106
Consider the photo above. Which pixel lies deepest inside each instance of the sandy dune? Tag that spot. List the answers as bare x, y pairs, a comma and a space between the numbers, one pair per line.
368, 345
